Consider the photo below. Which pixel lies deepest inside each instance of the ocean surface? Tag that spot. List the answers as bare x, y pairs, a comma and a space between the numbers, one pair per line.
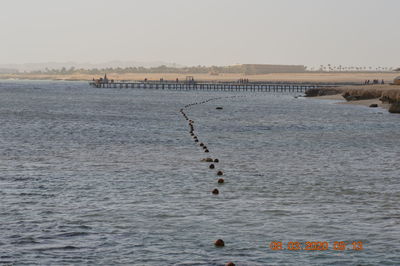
113, 177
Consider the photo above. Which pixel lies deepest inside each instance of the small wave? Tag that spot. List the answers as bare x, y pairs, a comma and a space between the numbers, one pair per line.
68, 247
25, 241
73, 234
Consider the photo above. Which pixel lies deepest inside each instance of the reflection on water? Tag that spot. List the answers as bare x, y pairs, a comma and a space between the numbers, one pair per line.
100, 176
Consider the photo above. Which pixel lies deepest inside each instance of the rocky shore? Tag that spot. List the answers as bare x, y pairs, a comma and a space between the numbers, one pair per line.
386, 96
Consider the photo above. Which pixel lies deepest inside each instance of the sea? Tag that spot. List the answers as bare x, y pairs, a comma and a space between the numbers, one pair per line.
93, 176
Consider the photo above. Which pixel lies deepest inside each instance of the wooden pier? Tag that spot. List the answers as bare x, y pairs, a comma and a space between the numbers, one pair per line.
212, 86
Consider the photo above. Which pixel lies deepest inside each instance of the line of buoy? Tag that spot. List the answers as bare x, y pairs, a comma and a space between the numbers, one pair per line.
215, 191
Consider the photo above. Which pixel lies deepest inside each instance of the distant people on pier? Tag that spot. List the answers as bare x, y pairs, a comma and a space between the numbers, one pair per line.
190, 79
243, 80
104, 80
145, 79
375, 81
177, 80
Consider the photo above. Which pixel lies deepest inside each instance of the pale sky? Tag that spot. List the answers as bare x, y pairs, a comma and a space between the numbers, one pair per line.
206, 32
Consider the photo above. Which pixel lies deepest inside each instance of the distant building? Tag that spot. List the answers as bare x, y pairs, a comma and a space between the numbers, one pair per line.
254, 69
396, 80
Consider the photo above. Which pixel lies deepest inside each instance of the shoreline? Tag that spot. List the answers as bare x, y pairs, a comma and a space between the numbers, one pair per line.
379, 95
384, 96
341, 100
314, 77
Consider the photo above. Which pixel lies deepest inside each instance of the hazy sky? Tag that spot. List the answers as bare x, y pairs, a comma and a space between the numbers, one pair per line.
206, 32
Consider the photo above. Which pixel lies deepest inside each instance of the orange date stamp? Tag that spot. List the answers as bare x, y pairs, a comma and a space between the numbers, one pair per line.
317, 245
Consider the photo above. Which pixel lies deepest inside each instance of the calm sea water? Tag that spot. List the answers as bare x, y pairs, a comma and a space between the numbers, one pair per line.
112, 176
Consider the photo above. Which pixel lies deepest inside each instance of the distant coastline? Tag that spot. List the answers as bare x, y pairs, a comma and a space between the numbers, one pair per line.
356, 77
385, 96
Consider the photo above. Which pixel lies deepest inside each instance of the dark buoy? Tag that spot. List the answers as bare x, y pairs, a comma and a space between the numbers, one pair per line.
196, 140
220, 173
206, 150
219, 108
212, 166
221, 181
215, 191
216, 160
219, 243
208, 160
201, 144
230, 264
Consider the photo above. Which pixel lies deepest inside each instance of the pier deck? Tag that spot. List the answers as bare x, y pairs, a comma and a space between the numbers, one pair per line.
213, 86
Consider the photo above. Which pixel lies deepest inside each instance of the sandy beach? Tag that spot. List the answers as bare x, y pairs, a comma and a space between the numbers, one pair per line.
358, 77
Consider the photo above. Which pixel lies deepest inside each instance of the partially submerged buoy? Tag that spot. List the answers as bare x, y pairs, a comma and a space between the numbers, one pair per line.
212, 166
215, 191
221, 181
219, 243
220, 173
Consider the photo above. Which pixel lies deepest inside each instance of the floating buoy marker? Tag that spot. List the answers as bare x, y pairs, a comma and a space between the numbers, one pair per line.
219, 243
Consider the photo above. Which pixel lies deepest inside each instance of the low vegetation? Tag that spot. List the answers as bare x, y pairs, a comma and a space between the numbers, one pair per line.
249, 69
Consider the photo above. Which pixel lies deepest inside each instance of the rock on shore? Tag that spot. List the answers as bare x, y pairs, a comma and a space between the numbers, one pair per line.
395, 108
323, 91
